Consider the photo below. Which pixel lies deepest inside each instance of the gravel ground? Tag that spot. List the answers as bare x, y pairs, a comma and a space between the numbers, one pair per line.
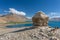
40, 33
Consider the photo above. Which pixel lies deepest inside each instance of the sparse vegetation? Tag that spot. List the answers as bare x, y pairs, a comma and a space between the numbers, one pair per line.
18, 23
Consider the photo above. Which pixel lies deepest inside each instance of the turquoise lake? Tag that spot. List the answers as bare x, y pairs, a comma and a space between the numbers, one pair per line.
50, 23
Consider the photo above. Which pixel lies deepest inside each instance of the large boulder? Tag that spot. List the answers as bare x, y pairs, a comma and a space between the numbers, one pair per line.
40, 19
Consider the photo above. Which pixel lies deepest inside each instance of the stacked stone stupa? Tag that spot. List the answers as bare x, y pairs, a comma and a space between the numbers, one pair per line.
40, 19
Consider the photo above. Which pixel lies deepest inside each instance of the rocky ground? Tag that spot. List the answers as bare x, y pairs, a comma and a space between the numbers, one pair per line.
40, 33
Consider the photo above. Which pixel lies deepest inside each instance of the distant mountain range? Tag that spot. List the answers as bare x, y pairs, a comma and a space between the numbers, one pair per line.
55, 19
12, 18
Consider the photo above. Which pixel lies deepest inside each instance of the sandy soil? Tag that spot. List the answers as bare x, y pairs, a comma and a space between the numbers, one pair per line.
7, 30
3, 25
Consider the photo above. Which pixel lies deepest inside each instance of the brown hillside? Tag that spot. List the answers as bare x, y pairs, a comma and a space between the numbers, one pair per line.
12, 18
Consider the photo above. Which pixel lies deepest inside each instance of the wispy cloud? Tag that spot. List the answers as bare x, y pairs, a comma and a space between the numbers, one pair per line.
12, 10
53, 14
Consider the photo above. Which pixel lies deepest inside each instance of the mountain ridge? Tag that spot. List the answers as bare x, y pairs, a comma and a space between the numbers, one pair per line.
12, 18
55, 19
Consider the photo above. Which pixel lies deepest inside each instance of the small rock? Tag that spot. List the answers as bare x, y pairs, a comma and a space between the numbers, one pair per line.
54, 38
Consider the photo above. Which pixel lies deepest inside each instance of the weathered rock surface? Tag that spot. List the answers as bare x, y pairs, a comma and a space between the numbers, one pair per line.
40, 33
40, 19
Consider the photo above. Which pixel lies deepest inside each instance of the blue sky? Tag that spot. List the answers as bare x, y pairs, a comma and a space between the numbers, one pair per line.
30, 7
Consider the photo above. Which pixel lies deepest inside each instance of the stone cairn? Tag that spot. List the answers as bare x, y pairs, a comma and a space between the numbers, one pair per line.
40, 19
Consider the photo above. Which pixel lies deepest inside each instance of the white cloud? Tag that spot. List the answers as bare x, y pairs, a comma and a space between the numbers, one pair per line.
54, 14
14, 11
